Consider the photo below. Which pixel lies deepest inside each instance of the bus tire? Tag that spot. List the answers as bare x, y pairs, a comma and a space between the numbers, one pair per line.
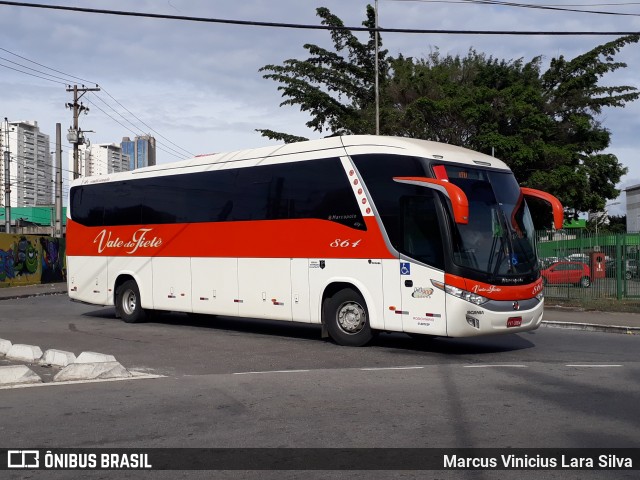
128, 305
347, 318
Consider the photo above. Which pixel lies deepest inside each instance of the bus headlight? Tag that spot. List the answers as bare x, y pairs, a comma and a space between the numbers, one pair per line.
458, 292
540, 296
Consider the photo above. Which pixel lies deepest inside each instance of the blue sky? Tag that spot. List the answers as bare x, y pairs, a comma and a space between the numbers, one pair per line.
199, 86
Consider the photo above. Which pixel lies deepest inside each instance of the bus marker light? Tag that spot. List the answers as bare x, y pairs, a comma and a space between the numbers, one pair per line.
514, 322
392, 308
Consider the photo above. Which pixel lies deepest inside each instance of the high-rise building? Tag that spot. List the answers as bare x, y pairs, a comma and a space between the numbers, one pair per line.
141, 151
99, 159
30, 164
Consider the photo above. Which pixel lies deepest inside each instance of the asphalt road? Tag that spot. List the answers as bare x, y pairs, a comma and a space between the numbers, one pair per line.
250, 383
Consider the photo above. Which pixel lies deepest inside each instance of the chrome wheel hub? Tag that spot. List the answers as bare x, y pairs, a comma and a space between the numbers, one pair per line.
351, 317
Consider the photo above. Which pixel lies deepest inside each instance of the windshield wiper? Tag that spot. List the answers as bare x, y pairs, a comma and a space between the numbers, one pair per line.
503, 233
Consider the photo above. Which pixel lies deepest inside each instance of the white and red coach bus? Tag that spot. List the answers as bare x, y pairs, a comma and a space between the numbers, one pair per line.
357, 233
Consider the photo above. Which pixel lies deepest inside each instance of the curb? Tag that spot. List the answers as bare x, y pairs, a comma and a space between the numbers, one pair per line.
92, 371
24, 353
86, 367
18, 375
592, 327
5, 346
41, 291
57, 358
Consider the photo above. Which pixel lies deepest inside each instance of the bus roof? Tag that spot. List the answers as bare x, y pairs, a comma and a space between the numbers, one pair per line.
308, 150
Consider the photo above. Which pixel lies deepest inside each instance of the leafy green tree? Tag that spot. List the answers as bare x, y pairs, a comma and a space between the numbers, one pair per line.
608, 225
544, 125
335, 87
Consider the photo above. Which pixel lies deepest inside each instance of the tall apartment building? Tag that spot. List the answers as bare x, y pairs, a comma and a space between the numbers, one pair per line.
99, 159
30, 164
141, 151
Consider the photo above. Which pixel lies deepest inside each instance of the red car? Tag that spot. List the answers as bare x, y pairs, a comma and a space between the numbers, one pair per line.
576, 273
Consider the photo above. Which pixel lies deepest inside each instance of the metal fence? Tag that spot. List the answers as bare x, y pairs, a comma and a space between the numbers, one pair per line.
610, 263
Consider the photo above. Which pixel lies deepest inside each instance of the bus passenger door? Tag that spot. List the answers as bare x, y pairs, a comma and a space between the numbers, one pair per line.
422, 263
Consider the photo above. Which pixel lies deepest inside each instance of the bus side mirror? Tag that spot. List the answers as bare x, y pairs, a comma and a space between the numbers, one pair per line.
459, 201
556, 206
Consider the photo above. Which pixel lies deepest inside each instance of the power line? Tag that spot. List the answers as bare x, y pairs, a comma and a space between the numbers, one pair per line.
32, 69
132, 131
31, 74
67, 80
563, 8
328, 27
175, 152
44, 66
548, 7
154, 131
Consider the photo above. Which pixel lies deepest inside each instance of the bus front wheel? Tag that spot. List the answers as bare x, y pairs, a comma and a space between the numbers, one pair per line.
347, 319
128, 305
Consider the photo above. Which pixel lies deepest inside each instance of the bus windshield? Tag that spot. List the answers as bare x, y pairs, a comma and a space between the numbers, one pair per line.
499, 239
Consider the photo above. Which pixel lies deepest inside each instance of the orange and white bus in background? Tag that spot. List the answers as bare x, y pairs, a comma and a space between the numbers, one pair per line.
357, 233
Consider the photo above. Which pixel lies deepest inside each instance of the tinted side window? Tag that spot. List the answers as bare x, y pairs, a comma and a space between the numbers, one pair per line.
318, 189
420, 229
377, 172
87, 205
124, 206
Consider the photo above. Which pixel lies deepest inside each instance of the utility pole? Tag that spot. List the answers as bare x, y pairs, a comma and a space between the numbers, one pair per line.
377, 69
75, 135
7, 183
58, 225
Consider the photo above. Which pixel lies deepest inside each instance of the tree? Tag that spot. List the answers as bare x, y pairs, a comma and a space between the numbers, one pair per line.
544, 125
335, 87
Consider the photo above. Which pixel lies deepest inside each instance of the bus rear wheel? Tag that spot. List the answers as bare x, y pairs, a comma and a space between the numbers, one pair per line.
347, 319
128, 305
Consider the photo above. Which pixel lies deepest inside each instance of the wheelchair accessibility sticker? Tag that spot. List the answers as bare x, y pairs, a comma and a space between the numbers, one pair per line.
405, 268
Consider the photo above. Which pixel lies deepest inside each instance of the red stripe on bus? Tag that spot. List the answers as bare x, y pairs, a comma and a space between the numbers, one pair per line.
495, 292
308, 238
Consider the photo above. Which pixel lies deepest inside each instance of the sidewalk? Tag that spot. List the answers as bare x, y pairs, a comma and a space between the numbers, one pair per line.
554, 316
24, 291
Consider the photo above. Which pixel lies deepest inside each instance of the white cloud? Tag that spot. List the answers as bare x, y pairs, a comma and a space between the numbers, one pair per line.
199, 85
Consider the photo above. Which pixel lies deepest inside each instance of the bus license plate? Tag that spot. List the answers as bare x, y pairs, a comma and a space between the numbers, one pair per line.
514, 322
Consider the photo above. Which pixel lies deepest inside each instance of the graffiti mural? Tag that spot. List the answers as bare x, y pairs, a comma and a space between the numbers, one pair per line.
52, 260
30, 259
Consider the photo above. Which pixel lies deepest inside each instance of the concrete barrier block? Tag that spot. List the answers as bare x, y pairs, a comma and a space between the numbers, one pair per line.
57, 358
5, 346
91, 371
17, 375
24, 353
94, 357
